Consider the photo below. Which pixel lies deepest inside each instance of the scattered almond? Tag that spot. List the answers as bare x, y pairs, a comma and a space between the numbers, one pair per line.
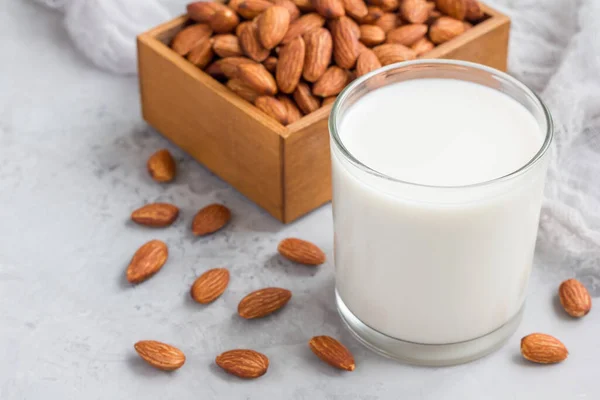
415, 11
292, 111
304, 5
272, 26
371, 35
345, 43
161, 166
392, 53
329, 8
155, 214
190, 37
575, 298
290, 65
290, 6
387, 22
160, 355
210, 285
247, 364
147, 261
201, 55
453, 8
305, 99
303, 25
319, 46
373, 14
386, 5
249, 8
241, 89
248, 35
407, 35
474, 12
367, 62
210, 219
227, 67
422, 46
203, 11
263, 302
356, 9
444, 29
301, 251
333, 81
543, 349
272, 107
227, 46
224, 20
257, 77
332, 352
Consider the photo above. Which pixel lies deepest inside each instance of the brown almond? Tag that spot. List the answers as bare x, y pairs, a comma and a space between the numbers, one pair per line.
190, 37
290, 65
407, 35
155, 214
332, 352
543, 349
319, 47
147, 261
371, 35
301, 251
367, 62
575, 298
258, 78
415, 11
445, 29
345, 43
303, 25
251, 45
387, 22
227, 45
386, 5
160, 355
328, 100
241, 89
304, 5
391, 53
227, 67
474, 12
161, 166
272, 107
263, 302
422, 46
201, 55
210, 285
243, 363
333, 81
305, 99
203, 11
329, 8
250, 9
210, 219
292, 111
356, 9
453, 8
272, 26
373, 14
290, 6
225, 20
270, 64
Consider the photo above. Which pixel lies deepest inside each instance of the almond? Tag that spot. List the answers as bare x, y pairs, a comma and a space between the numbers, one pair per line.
356, 9
270, 64
190, 37
385, 5
407, 35
292, 111
319, 46
367, 62
227, 46
361, 48
345, 43
227, 66
272, 107
304, 5
387, 22
210, 285
241, 89
333, 81
305, 99
329, 8
332, 352
422, 46
258, 78
371, 35
392, 53
373, 14
474, 12
203, 11
543, 349
301, 251
160, 355
225, 20
243, 363
444, 29
249, 8
155, 214
575, 298
201, 55
248, 35
303, 25
415, 11
147, 261
453, 8
290, 65
210, 219
263, 302
161, 166
328, 100
272, 26
290, 7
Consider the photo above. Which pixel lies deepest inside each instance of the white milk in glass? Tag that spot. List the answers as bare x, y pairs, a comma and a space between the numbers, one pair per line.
434, 240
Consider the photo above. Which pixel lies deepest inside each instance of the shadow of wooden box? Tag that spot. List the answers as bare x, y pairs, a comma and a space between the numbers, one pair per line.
284, 169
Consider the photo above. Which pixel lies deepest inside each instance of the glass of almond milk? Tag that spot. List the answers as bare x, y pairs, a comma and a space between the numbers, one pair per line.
438, 173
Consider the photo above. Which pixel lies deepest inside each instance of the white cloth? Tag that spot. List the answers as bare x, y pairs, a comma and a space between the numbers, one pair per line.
554, 48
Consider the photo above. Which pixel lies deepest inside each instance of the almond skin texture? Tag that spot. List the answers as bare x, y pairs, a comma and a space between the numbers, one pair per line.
444, 29
356, 9
303, 25
305, 99
333, 81
415, 11
227, 46
373, 14
250, 8
227, 67
304, 5
387, 22
301, 251
367, 62
190, 37
241, 89
290, 65
474, 12
270, 64
258, 78
393, 53
290, 6
272, 107
155, 214
161, 166
160, 355
329, 8
543, 349
247, 364
371, 35
210, 219
386, 5
292, 111
272, 26
225, 20
210, 285
263, 302
332, 352
407, 35
345, 43
575, 298
147, 261
453, 8
248, 35
201, 55
203, 11
422, 46
319, 47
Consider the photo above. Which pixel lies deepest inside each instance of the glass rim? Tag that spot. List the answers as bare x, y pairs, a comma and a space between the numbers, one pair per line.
348, 90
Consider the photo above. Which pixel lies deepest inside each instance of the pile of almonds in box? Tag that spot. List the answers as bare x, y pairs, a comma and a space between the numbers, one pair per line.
208, 287
291, 57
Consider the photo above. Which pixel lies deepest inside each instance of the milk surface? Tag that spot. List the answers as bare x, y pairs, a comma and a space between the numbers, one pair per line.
436, 265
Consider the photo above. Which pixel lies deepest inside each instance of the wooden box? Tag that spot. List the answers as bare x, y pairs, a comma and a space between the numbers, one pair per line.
284, 169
